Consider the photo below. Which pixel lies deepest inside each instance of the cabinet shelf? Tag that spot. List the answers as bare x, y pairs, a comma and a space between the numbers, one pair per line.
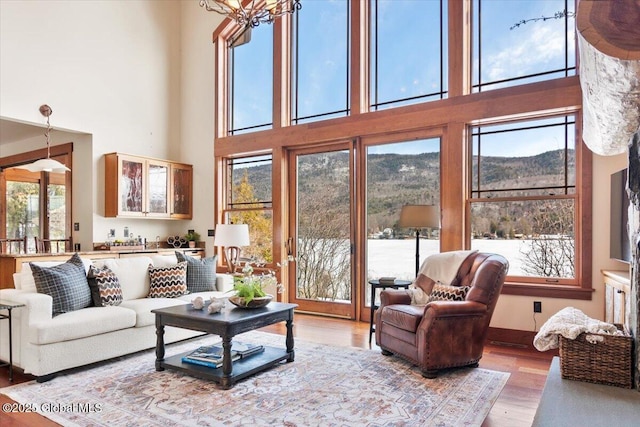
142, 187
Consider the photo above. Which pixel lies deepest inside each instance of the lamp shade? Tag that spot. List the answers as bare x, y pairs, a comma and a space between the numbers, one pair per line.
231, 235
420, 216
45, 165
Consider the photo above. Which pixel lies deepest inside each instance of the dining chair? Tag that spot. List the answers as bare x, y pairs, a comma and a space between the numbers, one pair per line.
10, 246
48, 245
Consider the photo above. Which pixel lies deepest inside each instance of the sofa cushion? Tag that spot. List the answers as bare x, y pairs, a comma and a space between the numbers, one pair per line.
132, 274
143, 306
65, 283
403, 316
83, 323
442, 292
168, 282
26, 281
164, 260
201, 273
105, 287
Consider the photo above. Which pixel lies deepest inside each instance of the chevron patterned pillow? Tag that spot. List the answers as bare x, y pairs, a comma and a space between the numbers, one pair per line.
105, 287
441, 292
168, 282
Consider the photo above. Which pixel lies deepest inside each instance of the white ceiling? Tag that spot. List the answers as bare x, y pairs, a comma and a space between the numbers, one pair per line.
11, 131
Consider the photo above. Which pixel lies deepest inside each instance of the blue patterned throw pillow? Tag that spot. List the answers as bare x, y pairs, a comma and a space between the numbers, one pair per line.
66, 283
168, 282
105, 287
201, 273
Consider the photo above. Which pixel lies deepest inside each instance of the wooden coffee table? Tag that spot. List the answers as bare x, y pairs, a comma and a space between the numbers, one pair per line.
230, 322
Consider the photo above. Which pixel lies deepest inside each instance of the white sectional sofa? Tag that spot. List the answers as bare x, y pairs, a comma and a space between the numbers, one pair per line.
44, 344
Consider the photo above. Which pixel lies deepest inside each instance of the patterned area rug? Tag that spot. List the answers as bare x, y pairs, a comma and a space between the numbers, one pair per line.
324, 386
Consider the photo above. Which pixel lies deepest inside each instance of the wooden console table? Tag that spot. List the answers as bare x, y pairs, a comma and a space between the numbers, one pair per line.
577, 403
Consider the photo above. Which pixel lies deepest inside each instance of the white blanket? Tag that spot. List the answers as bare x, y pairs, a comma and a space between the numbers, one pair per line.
441, 268
569, 322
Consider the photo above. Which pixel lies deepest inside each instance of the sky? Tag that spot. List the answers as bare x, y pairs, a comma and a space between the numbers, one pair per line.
408, 56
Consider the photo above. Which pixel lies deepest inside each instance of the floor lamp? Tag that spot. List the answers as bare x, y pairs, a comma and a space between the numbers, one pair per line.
419, 216
232, 237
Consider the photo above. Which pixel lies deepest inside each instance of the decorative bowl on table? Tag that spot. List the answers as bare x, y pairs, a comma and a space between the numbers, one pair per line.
256, 302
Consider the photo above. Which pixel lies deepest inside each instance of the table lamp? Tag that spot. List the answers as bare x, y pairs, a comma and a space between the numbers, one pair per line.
232, 237
419, 216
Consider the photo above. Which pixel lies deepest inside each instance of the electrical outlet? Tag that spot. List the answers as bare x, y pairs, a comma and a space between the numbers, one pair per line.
537, 306
211, 233
76, 226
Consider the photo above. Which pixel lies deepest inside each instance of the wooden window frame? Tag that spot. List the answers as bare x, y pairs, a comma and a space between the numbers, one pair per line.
65, 153
451, 116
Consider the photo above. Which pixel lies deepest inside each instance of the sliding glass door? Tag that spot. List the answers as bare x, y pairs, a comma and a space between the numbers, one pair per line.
321, 194
398, 174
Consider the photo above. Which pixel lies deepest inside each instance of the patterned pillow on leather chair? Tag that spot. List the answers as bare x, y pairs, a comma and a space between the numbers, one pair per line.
441, 292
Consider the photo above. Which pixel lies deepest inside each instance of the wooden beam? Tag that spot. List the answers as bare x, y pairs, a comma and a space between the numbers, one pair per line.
612, 27
609, 45
553, 96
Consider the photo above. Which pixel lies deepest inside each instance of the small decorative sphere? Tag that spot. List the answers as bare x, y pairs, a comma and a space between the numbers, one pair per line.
215, 306
198, 303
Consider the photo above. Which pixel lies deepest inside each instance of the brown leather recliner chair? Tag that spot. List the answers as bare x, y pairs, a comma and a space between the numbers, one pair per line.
443, 334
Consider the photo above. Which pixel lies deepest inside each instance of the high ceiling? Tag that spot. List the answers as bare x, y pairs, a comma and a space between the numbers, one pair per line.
12, 131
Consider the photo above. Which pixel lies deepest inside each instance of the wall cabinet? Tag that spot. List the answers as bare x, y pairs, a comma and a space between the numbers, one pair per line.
142, 187
617, 296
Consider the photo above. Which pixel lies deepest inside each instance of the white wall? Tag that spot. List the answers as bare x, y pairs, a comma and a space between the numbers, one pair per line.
109, 69
197, 113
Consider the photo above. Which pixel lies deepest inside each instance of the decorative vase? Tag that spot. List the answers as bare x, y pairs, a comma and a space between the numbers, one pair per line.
192, 244
254, 303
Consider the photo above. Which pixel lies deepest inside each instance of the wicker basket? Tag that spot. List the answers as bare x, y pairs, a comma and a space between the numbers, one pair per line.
608, 361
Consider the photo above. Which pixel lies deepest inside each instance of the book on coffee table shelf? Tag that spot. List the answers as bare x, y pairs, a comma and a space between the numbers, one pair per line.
387, 280
211, 355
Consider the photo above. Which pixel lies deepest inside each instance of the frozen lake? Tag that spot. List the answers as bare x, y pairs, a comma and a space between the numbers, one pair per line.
397, 258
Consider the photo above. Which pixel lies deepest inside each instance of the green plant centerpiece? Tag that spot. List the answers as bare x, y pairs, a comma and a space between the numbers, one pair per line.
192, 236
249, 289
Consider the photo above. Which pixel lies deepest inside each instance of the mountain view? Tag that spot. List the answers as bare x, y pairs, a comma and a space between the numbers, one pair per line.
397, 179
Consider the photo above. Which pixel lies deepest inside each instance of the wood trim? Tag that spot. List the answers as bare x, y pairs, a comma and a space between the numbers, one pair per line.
359, 58
550, 97
550, 291
584, 181
221, 76
452, 180
280, 216
459, 47
513, 338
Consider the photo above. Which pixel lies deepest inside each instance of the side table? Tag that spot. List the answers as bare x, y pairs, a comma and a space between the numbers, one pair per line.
375, 284
9, 305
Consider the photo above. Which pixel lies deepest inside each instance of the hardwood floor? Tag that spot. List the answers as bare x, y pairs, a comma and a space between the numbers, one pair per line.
515, 407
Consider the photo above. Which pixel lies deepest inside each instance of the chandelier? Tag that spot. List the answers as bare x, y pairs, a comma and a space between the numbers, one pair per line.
48, 164
251, 13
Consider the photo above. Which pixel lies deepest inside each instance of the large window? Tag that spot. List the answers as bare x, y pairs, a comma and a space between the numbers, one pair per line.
37, 203
392, 74
408, 62
524, 198
251, 82
320, 69
399, 173
508, 51
249, 202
